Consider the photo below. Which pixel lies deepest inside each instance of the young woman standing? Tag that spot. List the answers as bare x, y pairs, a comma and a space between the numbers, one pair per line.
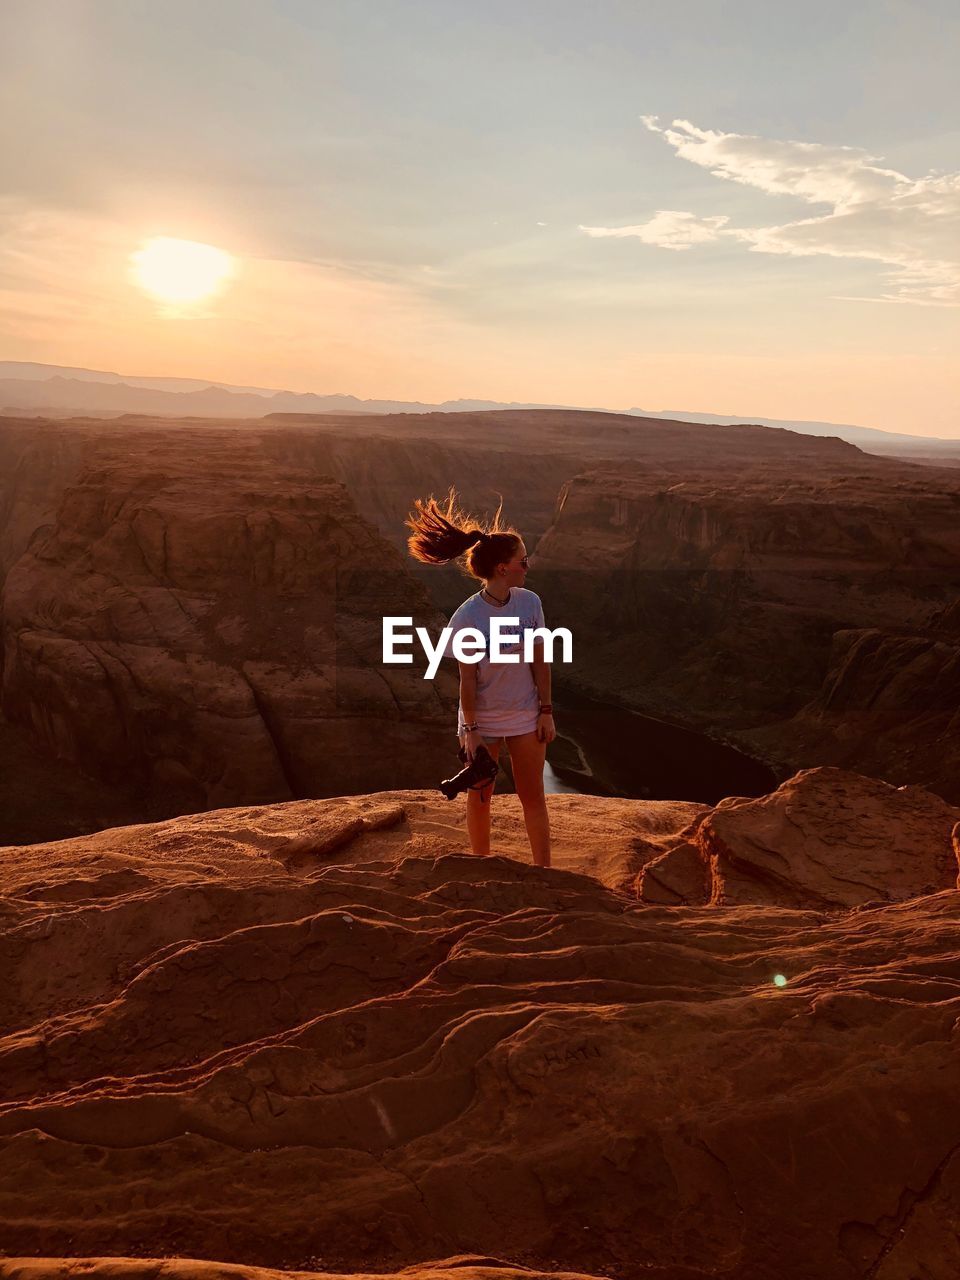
498, 701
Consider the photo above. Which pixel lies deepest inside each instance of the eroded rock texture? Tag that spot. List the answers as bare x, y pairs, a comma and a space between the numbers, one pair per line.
790, 593
807, 613
824, 839
241, 624
317, 1035
889, 704
212, 629
462, 1267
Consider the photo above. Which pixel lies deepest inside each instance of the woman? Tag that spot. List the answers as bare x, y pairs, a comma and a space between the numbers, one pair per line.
498, 701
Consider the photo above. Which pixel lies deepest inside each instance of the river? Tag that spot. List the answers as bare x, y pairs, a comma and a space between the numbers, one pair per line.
607, 750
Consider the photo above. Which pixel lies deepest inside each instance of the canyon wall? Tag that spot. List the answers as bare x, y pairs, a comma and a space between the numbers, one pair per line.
38, 459
733, 600
82, 695
208, 624
890, 700
778, 590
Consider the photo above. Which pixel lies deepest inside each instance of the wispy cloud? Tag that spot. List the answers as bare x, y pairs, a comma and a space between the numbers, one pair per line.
911, 226
669, 229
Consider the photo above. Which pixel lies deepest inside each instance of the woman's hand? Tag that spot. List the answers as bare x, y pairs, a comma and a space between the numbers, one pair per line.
472, 740
546, 729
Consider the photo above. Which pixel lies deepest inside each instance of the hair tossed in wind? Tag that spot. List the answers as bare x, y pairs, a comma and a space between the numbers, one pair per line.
441, 534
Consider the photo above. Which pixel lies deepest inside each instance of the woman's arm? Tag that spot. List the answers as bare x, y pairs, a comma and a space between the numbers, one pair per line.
468, 691
546, 730
468, 702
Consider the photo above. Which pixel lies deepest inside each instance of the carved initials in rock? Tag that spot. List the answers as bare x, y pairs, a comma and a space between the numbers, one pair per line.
555, 1059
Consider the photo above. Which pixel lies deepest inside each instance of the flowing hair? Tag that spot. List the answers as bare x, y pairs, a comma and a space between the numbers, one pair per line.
444, 534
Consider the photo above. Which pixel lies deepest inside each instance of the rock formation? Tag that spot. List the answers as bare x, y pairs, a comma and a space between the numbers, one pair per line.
888, 704
210, 627
317, 1036
825, 839
779, 590
462, 1267
803, 614
38, 459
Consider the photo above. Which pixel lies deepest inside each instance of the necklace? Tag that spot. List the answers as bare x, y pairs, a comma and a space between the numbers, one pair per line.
485, 592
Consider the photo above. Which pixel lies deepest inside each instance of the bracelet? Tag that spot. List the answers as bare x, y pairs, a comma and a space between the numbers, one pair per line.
469, 728
546, 709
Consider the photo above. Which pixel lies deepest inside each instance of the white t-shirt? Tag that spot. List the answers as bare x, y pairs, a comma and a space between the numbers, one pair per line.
507, 698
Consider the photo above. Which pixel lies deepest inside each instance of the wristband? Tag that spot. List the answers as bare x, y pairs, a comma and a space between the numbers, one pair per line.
546, 709
469, 728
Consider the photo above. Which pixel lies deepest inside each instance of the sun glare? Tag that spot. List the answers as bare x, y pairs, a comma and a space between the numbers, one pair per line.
181, 270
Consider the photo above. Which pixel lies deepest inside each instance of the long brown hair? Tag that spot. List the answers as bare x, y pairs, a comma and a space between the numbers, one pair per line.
441, 535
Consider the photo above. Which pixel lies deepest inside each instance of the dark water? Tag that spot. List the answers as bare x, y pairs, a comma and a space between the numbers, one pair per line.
606, 750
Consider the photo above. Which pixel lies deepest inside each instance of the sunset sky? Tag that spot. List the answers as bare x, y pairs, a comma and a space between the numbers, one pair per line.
741, 207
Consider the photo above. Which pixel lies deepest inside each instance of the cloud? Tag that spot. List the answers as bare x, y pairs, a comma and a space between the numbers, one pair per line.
670, 229
911, 226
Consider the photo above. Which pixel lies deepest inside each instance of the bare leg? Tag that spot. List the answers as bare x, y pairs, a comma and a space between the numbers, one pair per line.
527, 754
478, 813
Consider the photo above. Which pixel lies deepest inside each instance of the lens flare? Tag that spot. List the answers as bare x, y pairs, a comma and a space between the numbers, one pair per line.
779, 980
181, 271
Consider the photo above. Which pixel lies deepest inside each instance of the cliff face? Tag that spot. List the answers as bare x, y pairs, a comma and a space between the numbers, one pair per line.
728, 600
37, 461
889, 704
385, 462
384, 473
211, 627
86, 697
713, 575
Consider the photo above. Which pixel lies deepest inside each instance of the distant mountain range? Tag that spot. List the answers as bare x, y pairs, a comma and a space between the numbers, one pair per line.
61, 391
868, 438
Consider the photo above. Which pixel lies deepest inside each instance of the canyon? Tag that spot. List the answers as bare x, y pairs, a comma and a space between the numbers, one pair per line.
810, 616
190, 609
264, 1013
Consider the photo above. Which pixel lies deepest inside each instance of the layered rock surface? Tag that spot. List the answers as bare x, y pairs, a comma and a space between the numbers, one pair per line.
38, 459
317, 1035
804, 615
462, 1267
825, 839
779, 590
210, 627
889, 704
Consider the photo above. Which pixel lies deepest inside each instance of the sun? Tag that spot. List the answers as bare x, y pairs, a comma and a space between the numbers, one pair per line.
181, 270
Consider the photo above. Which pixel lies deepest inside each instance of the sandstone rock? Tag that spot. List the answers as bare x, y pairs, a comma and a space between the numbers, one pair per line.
462, 1267
213, 634
451, 1065
825, 839
729, 597
136, 631
728, 559
679, 877
889, 704
38, 459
